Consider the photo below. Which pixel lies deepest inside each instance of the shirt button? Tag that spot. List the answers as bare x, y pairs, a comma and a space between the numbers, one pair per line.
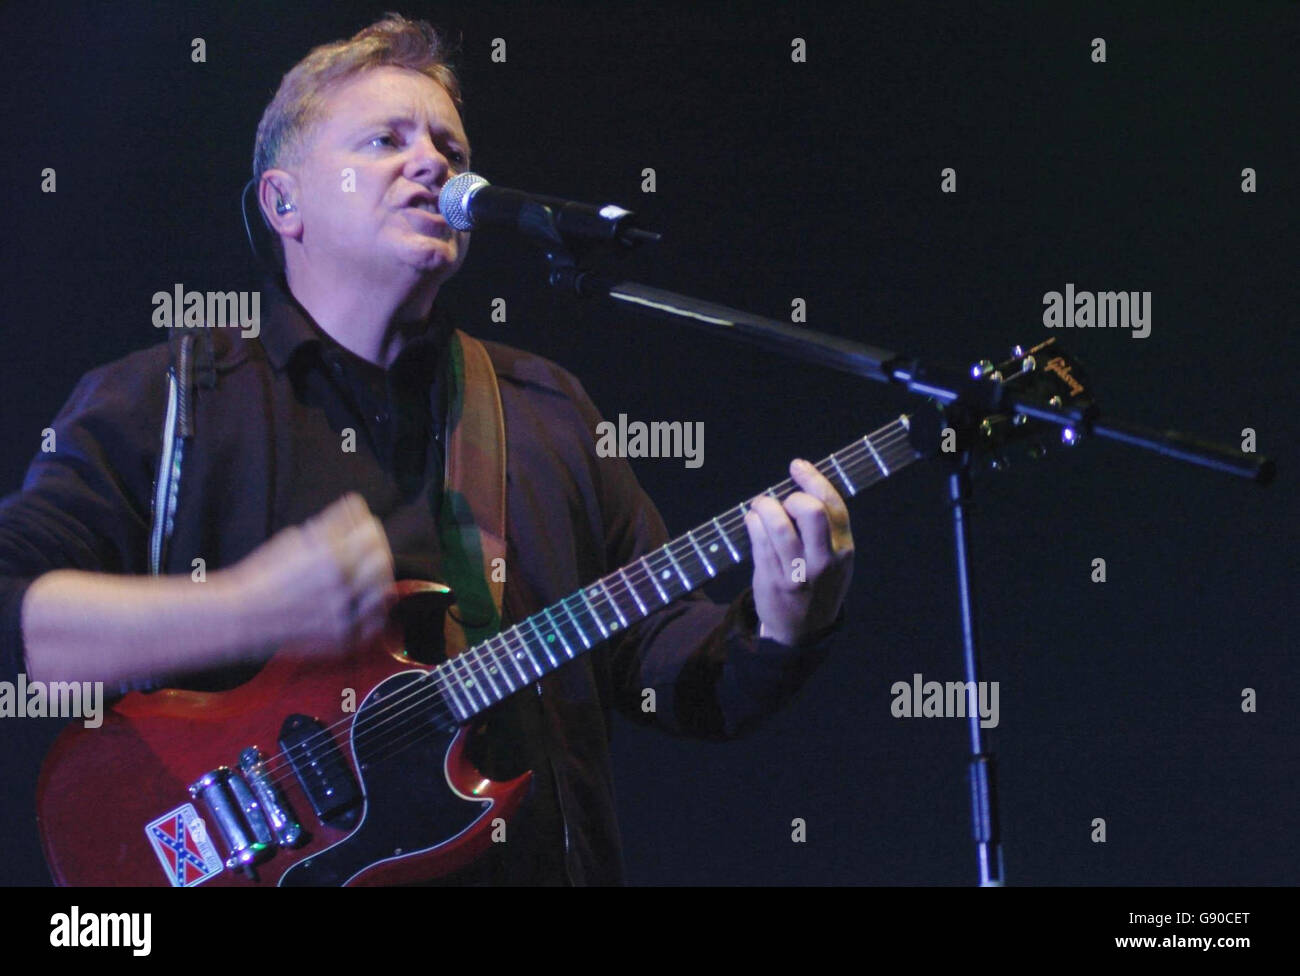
336, 367
381, 418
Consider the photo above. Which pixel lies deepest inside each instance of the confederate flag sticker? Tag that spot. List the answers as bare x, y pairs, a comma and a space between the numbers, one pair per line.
180, 839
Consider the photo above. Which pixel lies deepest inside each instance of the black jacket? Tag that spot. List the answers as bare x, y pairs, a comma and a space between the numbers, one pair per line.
266, 455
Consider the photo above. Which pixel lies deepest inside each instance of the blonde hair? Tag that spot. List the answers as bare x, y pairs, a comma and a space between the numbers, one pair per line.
299, 101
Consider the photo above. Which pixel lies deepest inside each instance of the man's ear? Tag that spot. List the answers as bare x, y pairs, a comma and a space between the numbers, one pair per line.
277, 194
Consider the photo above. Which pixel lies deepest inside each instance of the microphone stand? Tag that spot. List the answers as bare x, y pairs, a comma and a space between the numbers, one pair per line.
967, 399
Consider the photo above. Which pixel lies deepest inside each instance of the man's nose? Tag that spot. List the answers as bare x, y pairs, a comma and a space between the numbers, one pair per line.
427, 161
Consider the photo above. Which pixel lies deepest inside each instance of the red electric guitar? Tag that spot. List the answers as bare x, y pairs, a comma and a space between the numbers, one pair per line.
274, 783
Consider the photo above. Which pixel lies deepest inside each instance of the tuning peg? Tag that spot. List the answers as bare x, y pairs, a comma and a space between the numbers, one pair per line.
1017, 352
1069, 436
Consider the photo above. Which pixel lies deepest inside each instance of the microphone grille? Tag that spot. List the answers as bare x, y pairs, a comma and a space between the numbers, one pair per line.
453, 199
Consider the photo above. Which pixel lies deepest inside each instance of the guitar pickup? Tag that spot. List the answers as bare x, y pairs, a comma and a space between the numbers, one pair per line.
322, 770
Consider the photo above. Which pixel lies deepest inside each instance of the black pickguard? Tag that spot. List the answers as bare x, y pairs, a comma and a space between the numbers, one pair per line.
408, 805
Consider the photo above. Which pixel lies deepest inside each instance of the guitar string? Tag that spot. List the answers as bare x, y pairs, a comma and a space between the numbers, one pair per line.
403, 730
656, 561
397, 728
433, 684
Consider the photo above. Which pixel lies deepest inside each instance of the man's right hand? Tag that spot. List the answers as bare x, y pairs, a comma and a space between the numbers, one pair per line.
324, 584
329, 579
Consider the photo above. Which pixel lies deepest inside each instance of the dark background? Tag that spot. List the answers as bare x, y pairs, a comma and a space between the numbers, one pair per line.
819, 180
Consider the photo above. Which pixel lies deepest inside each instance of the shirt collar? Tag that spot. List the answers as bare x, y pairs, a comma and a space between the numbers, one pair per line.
287, 328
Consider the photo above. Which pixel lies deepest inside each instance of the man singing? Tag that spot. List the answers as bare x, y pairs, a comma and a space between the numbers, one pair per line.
302, 539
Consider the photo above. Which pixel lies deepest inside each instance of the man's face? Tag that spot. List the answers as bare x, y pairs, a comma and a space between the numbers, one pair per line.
371, 171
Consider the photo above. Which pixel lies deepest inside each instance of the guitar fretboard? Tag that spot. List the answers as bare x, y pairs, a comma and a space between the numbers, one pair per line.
490, 671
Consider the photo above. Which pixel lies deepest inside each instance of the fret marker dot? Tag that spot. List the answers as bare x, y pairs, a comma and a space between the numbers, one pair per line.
468, 683
713, 548
665, 575
550, 638
613, 627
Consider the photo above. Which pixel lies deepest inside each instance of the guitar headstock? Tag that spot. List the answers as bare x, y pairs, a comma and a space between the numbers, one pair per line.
1044, 374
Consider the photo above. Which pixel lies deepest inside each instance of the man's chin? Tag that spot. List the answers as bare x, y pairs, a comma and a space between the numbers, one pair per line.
432, 255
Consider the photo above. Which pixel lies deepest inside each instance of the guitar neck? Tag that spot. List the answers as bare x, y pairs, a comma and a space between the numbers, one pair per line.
490, 671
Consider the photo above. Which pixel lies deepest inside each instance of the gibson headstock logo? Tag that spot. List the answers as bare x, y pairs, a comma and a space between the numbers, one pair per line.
1061, 368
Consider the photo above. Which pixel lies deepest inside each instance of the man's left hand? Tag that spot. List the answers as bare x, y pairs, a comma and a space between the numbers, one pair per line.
803, 557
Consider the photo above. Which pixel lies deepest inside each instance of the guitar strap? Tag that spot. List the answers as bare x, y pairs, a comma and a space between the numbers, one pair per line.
472, 523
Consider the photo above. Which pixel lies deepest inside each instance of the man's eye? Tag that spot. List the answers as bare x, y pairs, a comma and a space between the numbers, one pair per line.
385, 139
456, 157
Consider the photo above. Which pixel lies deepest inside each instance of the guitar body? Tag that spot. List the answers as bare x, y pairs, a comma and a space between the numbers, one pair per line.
111, 801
